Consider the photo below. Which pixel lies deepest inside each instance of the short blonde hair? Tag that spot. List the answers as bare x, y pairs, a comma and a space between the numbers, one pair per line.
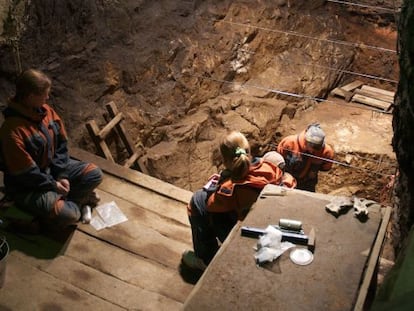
235, 150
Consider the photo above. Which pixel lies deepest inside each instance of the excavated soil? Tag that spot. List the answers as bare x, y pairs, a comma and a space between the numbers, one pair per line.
183, 73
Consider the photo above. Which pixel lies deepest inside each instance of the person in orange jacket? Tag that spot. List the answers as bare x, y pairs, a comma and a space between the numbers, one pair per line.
305, 155
39, 175
226, 198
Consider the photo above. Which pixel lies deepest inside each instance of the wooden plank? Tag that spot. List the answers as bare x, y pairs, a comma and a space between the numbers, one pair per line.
374, 95
102, 285
173, 210
113, 111
141, 214
102, 147
378, 91
108, 128
28, 288
144, 273
135, 177
146, 234
132, 159
342, 93
373, 259
142, 241
352, 86
370, 101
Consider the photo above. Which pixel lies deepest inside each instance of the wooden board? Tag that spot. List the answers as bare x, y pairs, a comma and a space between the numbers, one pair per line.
376, 90
163, 206
352, 86
135, 177
371, 102
98, 284
330, 282
38, 290
347, 91
128, 267
137, 235
374, 95
342, 93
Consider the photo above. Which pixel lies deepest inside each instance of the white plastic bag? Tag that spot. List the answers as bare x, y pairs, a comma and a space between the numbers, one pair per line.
108, 215
270, 245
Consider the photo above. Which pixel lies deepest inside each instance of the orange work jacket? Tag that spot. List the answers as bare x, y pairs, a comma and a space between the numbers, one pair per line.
302, 163
239, 195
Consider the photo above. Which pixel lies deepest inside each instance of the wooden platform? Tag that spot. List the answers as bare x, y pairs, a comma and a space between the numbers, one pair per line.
337, 279
131, 266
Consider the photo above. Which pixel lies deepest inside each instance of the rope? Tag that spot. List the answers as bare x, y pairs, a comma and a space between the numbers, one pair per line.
364, 5
335, 162
351, 72
296, 95
293, 33
334, 69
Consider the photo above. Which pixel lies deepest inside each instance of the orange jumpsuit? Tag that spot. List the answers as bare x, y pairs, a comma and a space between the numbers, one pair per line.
302, 163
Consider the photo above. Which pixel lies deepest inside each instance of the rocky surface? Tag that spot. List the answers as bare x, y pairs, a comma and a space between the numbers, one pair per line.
185, 72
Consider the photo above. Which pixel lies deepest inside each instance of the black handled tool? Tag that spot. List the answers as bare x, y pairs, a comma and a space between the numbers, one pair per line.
287, 235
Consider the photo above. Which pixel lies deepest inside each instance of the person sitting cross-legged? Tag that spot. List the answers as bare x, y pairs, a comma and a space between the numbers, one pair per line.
39, 176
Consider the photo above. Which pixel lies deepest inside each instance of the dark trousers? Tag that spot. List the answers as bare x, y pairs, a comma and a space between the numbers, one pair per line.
83, 178
208, 228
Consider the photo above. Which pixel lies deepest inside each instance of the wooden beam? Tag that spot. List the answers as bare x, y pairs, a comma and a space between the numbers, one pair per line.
371, 101
100, 144
342, 93
377, 90
352, 86
108, 128
374, 95
373, 259
132, 159
113, 111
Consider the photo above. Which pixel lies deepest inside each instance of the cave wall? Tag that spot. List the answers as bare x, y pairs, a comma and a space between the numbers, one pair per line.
403, 125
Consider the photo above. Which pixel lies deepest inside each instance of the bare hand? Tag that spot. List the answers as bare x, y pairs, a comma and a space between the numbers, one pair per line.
63, 186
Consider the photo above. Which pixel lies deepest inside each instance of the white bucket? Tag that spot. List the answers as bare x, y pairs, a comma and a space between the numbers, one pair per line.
4, 252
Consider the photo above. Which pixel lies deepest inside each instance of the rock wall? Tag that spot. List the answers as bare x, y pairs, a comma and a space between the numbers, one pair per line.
163, 63
184, 72
403, 124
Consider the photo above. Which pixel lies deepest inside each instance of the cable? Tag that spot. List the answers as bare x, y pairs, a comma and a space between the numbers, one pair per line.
293, 33
333, 161
336, 69
318, 99
351, 72
366, 159
363, 5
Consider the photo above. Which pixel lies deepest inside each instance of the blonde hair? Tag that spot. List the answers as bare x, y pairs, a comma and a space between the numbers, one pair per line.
235, 150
